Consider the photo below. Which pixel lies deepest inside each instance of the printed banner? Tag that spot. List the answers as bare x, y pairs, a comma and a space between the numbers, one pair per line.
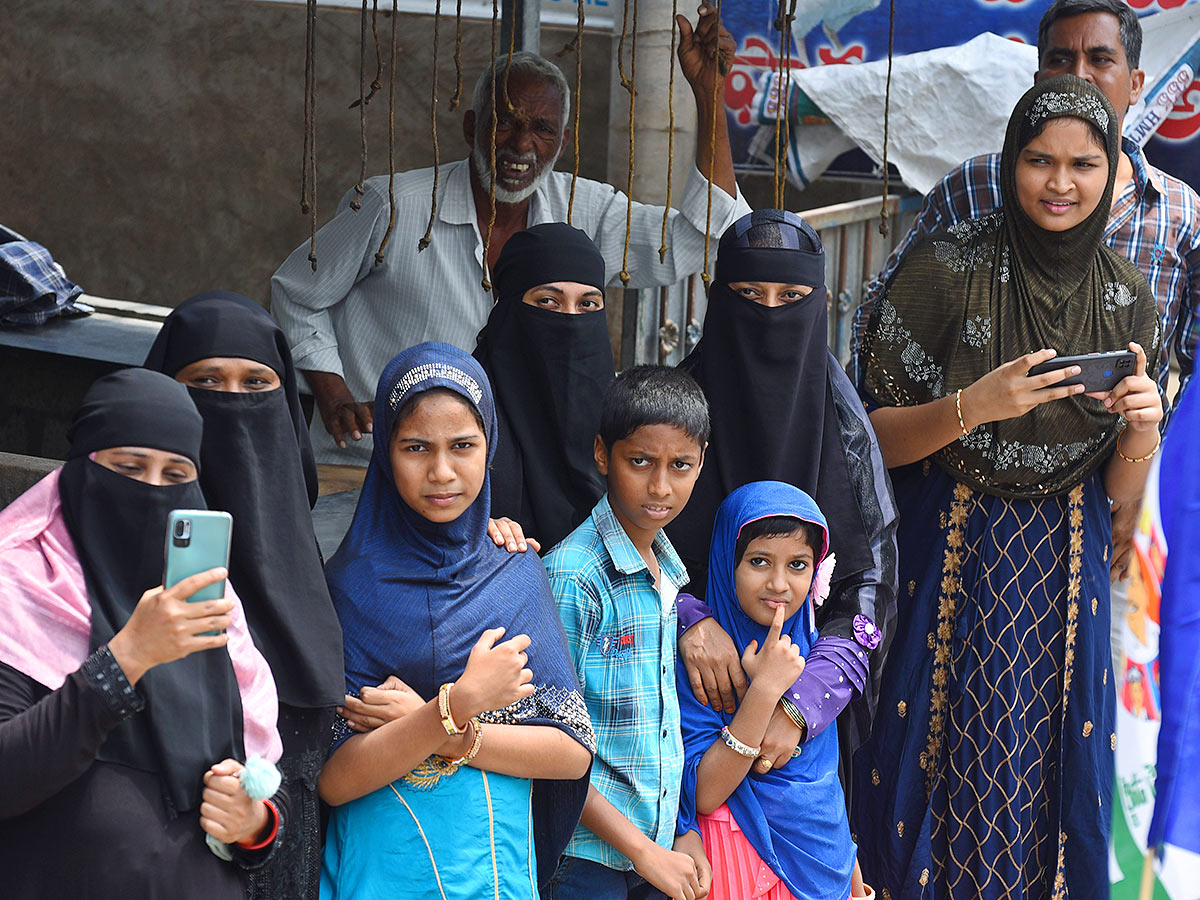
845, 32
1139, 715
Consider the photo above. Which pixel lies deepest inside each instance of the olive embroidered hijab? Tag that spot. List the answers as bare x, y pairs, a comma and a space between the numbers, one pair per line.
988, 290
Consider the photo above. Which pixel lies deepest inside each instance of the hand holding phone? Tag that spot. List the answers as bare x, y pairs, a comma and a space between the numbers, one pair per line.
1010, 391
1098, 372
165, 627
197, 541
1136, 397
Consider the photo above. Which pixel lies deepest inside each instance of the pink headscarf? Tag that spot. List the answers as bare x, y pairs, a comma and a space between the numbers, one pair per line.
46, 619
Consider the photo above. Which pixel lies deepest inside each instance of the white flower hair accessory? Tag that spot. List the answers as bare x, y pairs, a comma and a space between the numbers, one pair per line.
822, 579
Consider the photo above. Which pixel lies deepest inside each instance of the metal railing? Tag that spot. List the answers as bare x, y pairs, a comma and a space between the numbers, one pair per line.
664, 324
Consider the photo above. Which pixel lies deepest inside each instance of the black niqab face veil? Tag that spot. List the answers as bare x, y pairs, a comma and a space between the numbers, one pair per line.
549, 371
222, 323
256, 463
764, 371
193, 715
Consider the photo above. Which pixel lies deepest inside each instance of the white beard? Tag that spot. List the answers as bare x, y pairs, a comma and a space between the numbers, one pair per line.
482, 164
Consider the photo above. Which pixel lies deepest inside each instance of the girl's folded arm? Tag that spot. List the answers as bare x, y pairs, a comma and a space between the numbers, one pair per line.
367, 762
721, 768
532, 751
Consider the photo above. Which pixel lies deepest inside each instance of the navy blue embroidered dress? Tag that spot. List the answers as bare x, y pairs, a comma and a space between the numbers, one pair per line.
989, 769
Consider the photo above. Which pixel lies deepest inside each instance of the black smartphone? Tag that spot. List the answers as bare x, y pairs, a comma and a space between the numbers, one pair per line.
1097, 371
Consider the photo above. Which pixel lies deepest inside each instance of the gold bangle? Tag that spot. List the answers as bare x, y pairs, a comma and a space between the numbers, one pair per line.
475, 744
958, 409
792, 712
1139, 459
448, 722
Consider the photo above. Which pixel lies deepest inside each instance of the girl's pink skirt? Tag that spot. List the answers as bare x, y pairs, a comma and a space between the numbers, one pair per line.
738, 872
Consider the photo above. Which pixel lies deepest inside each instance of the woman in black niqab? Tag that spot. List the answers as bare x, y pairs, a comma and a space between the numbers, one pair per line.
783, 410
118, 526
548, 370
110, 713
257, 464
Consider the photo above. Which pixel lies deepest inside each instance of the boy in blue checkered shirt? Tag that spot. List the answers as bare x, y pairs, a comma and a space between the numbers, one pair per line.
615, 579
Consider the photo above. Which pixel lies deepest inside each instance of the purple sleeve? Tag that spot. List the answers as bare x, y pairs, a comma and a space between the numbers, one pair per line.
691, 610
834, 673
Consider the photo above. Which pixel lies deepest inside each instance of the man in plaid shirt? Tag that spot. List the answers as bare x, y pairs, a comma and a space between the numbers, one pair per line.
1155, 219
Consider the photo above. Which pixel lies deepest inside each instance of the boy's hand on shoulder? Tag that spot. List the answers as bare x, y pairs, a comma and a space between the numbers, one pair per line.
509, 534
776, 666
670, 871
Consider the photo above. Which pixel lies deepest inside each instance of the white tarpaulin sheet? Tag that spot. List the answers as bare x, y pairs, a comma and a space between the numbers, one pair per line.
951, 103
947, 104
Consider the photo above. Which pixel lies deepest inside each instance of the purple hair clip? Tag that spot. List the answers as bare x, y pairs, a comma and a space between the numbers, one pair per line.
866, 632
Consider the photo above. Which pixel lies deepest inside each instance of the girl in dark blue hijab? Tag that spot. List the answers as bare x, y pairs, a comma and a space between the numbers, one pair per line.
770, 832
467, 793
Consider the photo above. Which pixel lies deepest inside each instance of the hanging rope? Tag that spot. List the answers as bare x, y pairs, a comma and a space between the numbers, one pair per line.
662, 245
787, 104
487, 238
387, 235
356, 203
457, 98
625, 82
576, 44
712, 147
781, 26
512, 46
887, 108
427, 238
630, 85
309, 205
375, 82
307, 107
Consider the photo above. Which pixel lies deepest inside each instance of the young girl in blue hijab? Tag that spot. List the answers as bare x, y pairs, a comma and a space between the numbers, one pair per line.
474, 790
775, 833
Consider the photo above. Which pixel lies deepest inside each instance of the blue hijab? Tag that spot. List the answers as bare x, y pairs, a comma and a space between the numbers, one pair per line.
413, 596
794, 815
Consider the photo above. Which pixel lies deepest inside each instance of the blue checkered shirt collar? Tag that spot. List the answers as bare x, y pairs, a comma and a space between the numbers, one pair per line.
625, 557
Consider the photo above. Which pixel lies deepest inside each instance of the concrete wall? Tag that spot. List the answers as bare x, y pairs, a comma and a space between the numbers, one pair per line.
19, 473
155, 147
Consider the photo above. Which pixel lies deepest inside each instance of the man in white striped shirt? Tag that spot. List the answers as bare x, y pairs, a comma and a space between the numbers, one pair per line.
349, 318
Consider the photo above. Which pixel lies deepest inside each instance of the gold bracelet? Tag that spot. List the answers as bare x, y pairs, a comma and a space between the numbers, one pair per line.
474, 751
792, 712
958, 409
448, 722
1138, 459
